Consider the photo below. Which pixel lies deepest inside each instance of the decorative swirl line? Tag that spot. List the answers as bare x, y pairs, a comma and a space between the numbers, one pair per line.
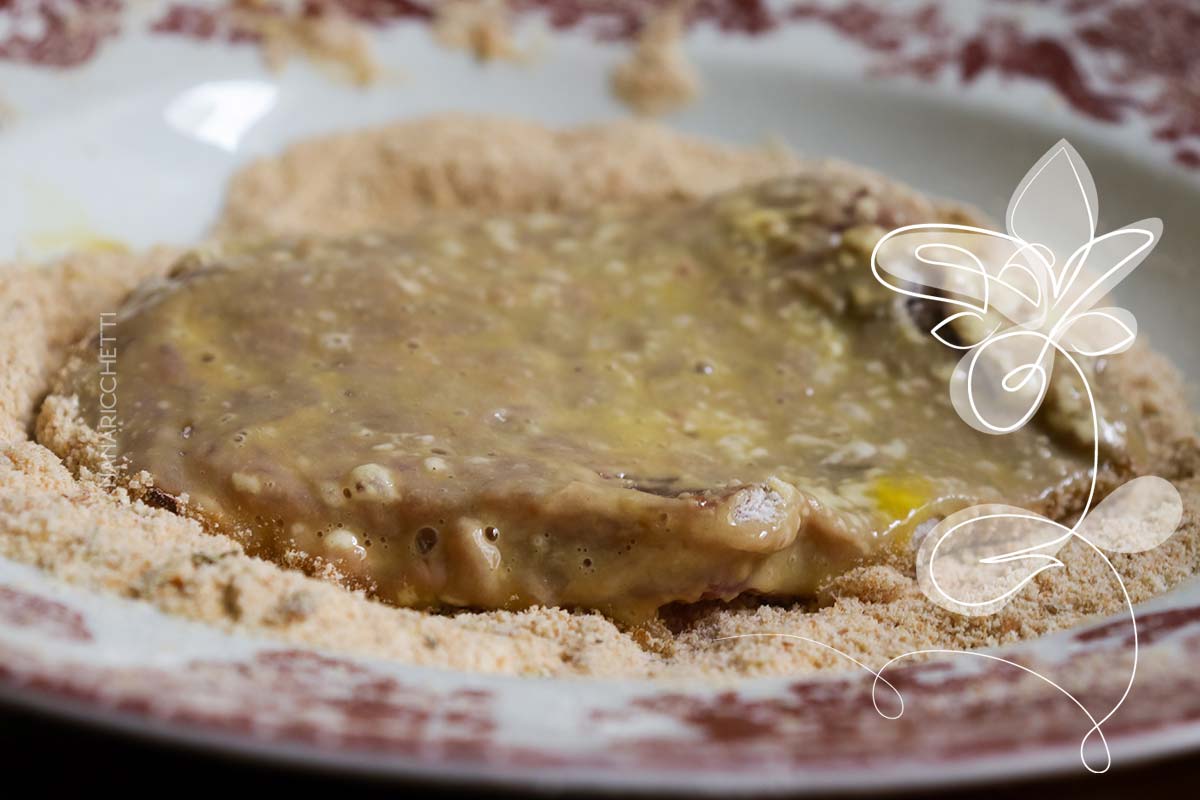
1055, 310
877, 675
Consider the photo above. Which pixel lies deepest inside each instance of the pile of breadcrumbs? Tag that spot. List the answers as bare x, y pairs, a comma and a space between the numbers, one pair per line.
56, 516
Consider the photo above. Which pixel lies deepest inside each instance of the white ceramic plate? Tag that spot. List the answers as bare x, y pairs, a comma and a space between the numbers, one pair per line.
130, 134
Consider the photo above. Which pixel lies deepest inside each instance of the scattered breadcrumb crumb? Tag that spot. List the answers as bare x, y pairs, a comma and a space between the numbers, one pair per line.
483, 28
321, 32
657, 78
8, 114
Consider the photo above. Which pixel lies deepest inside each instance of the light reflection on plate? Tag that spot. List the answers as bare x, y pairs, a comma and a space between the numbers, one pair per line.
220, 113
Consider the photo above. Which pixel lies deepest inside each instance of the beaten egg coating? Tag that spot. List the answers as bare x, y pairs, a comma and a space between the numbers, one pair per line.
614, 409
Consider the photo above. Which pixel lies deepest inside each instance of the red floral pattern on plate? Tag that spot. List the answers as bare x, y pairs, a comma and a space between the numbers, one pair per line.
1110, 60
35, 613
56, 33
958, 712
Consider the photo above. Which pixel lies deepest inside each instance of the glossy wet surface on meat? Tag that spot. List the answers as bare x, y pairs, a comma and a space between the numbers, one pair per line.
613, 410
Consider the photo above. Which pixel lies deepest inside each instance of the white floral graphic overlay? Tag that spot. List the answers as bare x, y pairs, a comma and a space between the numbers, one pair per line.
1018, 301
1023, 295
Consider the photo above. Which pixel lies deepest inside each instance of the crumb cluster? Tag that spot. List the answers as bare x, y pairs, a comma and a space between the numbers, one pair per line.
657, 78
